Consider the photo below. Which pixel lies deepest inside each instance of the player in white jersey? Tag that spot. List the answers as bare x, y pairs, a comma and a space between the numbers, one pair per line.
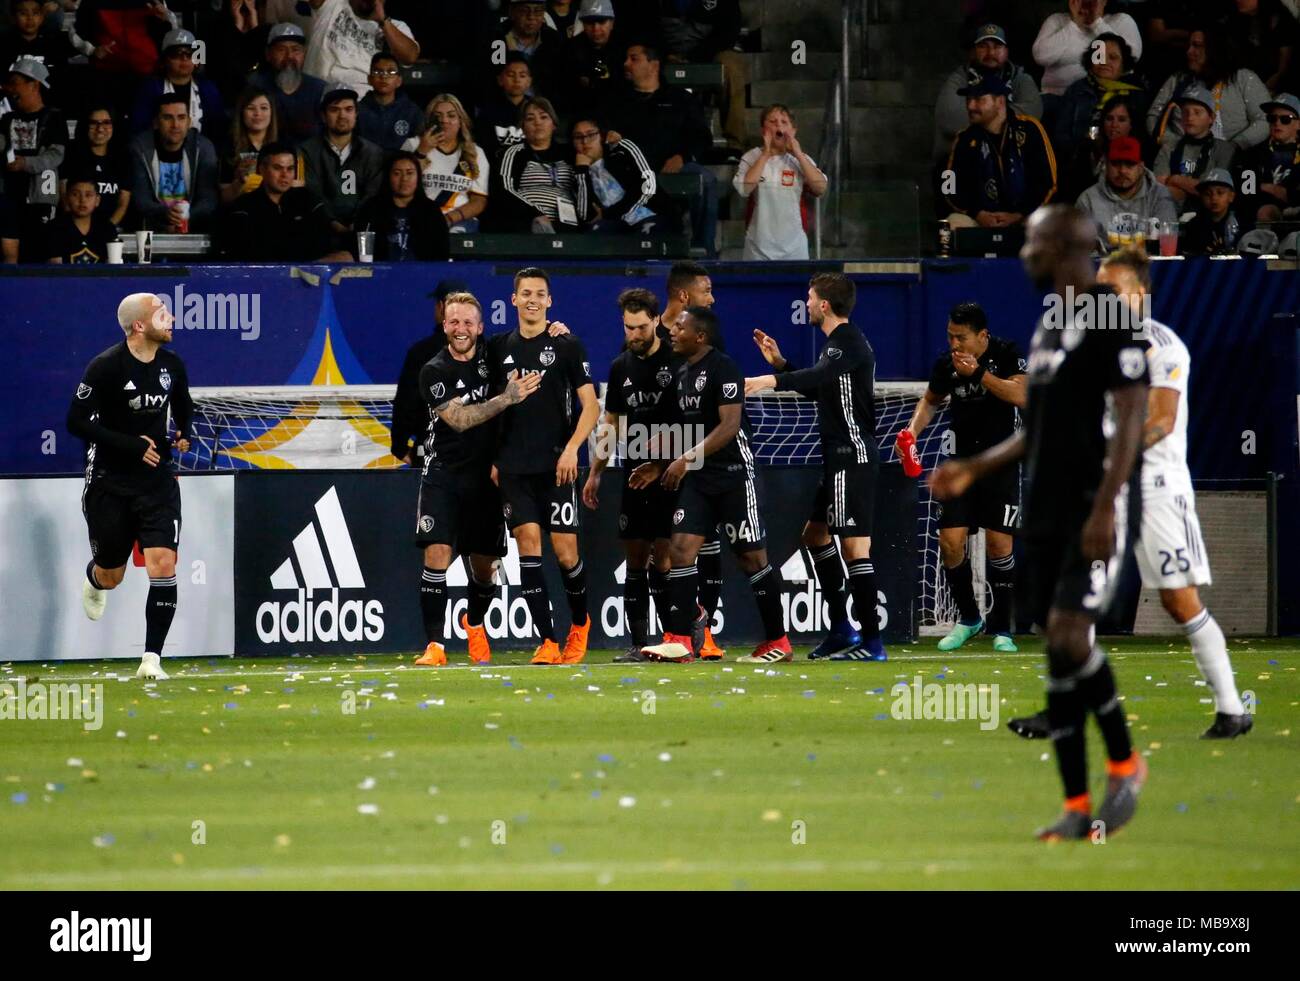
1170, 551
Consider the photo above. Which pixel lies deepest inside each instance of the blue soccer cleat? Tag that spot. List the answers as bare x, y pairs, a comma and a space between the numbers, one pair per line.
872, 650
841, 638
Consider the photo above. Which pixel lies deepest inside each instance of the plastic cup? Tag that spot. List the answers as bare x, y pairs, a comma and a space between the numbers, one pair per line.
1169, 238
114, 253
366, 246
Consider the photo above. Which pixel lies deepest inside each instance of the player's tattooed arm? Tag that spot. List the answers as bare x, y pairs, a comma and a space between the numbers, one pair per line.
1162, 412
461, 417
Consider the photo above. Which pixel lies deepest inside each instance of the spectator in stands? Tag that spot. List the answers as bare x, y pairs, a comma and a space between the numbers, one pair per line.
51, 47
207, 115
1121, 117
535, 188
1273, 167
300, 14
775, 179
79, 234
387, 116
617, 186
96, 154
591, 68
341, 168
235, 38
668, 124
410, 411
125, 35
564, 16
1181, 165
254, 126
1216, 229
706, 30
528, 35
1001, 167
1239, 95
1169, 28
170, 167
347, 34
498, 126
989, 54
33, 142
455, 169
1065, 37
1110, 73
278, 222
1263, 33
1127, 188
297, 94
408, 226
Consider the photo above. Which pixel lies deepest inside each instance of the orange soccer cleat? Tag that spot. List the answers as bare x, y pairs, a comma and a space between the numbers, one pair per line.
770, 651
575, 648
548, 653
709, 650
479, 651
434, 656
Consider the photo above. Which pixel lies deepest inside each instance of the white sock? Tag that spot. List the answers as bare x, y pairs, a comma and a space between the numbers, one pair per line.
1211, 653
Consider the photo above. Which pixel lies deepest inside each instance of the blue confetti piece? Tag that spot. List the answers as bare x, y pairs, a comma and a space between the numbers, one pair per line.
191, 765
940, 676
550, 695
507, 684
288, 691
809, 694
629, 681
18, 798
57, 788
557, 849
877, 691
718, 705
1272, 661
881, 717
595, 793
422, 705
230, 705
812, 757
977, 784
515, 743
605, 758
130, 713
1181, 808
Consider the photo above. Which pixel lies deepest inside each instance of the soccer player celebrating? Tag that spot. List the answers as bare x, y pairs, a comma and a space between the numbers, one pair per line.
984, 376
717, 484
1170, 552
537, 459
842, 381
459, 507
1083, 431
123, 407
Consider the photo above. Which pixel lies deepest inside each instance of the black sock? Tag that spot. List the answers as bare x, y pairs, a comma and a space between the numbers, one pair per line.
533, 585
766, 584
659, 593
575, 588
1096, 683
1067, 714
963, 593
830, 573
90, 577
433, 602
159, 608
709, 564
636, 604
862, 584
481, 595
1002, 580
682, 599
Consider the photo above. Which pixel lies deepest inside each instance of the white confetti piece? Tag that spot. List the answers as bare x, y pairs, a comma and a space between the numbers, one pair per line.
367, 808
665, 757
627, 802
367, 784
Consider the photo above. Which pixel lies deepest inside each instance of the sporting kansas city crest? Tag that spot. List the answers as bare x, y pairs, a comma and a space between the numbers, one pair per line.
664, 377
547, 358
700, 381
165, 380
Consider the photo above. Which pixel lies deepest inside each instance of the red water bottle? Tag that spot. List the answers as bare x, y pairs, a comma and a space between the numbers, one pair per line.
908, 453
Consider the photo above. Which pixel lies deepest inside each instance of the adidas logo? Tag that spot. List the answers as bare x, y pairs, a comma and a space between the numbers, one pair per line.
129, 387
627, 382
459, 383
305, 571
510, 359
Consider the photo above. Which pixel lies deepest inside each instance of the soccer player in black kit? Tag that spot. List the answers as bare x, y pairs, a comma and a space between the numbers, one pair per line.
537, 459
716, 480
123, 409
1082, 437
984, 376
843, 383
459, 509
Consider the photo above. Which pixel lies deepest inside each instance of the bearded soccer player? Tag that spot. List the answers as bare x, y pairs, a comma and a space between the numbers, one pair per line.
1082, 439
459, 508
843, 382
123, 409
983, 378
537, 459
716, 481
1170, 551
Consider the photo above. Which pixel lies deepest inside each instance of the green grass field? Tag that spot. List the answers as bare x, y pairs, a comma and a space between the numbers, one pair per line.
513, 776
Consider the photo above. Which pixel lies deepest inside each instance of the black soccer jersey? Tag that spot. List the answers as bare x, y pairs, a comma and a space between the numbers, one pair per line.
64, 240
442, 379
644, 389
843, 383
979, 418
702, 389
121, 399
1069, 418
534, 433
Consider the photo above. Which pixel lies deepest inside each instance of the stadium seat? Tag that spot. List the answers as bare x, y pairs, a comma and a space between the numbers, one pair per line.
582, 246
708, 76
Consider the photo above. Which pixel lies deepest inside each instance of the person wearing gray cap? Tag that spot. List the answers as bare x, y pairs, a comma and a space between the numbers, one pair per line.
1180, 165
1274, 165
1216, 229
410, 415
1238, 93
33, 140
297, 94
178, 74
590, 63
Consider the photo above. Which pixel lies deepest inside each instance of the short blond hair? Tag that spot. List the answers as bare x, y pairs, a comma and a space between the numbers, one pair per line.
467, 298
136, 306
1133, 259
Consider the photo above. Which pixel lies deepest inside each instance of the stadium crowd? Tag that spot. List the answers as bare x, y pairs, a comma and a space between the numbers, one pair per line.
1143, 110
280, 128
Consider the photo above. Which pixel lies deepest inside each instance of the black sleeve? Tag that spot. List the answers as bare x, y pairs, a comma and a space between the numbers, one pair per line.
695, 130
615, 397
437, 240
1014, 361
941, 378
435, 388
577, 367
1119, 358
182, 402
835, 361
407, 405
728, 383
84, 411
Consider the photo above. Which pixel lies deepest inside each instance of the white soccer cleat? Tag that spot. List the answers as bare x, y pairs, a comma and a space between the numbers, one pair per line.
93, 600
151, 668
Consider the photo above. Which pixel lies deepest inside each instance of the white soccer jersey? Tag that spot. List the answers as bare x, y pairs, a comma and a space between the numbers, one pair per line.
443, 180
1164, 465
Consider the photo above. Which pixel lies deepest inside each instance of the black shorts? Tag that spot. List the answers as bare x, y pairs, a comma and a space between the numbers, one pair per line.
533, 498
846, 500
1058, 577
735, 510
992, 503
116, 519
646, 514
462, 512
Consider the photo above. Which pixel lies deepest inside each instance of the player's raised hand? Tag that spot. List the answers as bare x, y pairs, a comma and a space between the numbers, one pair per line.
951, 480
964, 364
151, 456
770, 350
557, 328
591, 491
759, 383
566, 470
644, 475
519, 388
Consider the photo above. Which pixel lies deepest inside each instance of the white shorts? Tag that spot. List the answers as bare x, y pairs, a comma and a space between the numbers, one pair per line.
1170, 550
